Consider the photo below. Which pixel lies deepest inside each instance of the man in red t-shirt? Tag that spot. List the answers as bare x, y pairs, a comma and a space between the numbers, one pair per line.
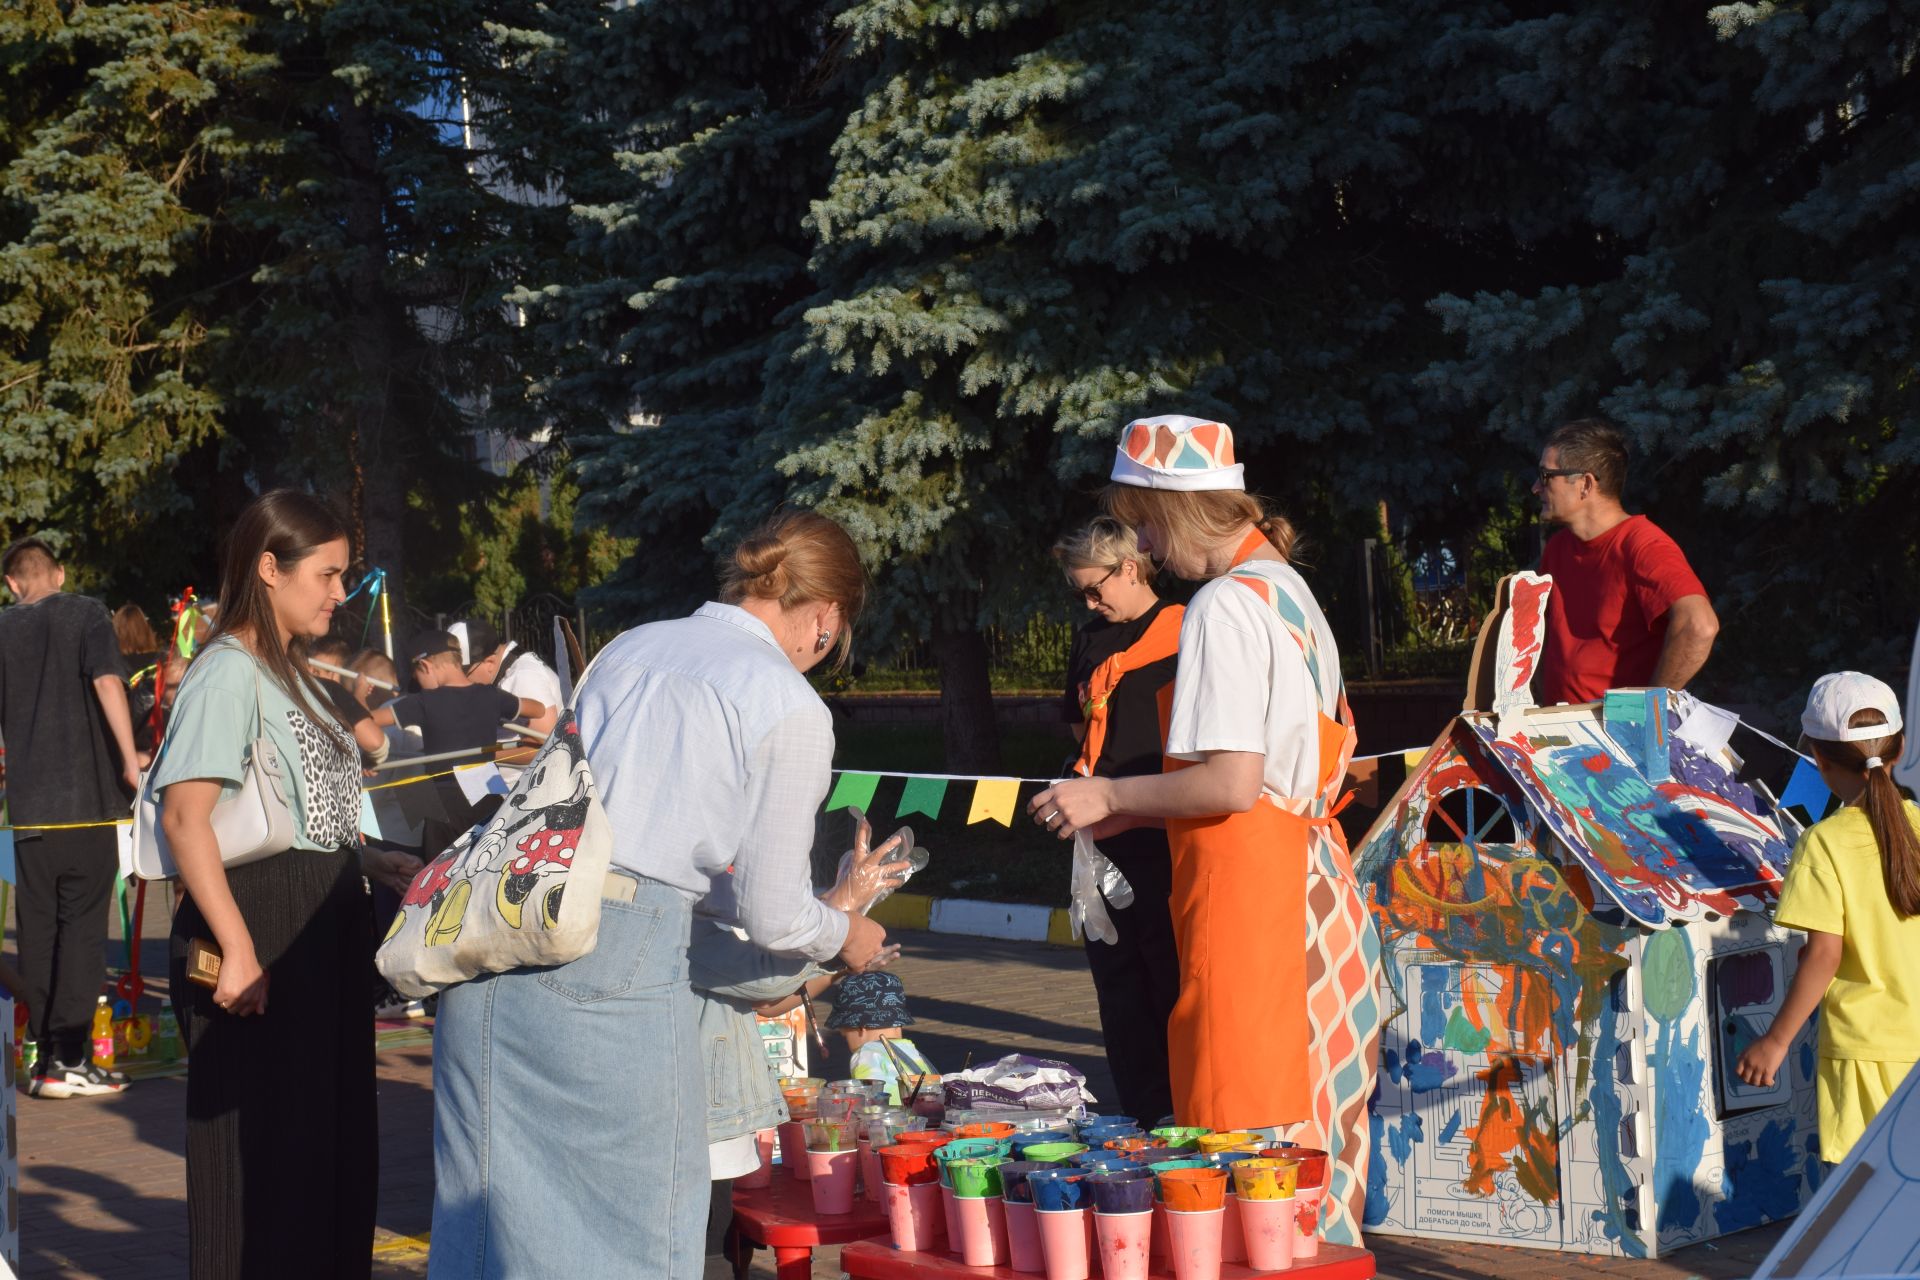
1626, 609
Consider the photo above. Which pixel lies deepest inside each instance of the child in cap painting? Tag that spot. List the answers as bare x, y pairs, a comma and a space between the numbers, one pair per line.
868, 1011
1854, 889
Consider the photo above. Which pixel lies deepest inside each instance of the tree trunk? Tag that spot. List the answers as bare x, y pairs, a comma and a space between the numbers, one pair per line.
966, 699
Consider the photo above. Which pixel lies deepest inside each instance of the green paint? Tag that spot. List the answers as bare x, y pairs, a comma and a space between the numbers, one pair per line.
1462, 1036
1666, 974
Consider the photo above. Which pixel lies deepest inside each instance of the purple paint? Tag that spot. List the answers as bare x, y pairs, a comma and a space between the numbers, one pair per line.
1429, 1071
1745, 979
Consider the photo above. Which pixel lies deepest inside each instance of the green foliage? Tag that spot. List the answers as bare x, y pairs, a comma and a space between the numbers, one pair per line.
523, 541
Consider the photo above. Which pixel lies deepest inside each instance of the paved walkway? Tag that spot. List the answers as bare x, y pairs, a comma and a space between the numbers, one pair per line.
101, 1181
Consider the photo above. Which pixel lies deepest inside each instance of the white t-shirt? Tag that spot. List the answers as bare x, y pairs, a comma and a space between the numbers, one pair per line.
1243, 683
531, 678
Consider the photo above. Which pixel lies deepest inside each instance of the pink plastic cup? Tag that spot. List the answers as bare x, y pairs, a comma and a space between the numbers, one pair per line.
950, 1215
869, 1168
1268, 1225
763, 1144
1233, 1242
913, 1211
1306, 1221
1125, 1240
833, 1175
1063, 1242
1194, 1241
983, 1230
793, 1148
1023, 1238
1158, 1250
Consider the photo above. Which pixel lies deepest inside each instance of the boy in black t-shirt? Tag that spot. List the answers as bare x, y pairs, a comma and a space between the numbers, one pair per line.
452, 713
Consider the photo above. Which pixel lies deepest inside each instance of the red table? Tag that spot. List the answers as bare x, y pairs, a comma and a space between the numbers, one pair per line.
879, 1260
780, 1216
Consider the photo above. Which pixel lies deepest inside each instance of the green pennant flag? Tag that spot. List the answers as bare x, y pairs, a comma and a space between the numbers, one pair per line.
922, 795
854, 789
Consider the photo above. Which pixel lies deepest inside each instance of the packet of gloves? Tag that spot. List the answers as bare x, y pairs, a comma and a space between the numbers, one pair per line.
872, 880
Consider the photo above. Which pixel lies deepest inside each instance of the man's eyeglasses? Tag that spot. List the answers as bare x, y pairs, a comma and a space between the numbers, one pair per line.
1548, 473
1092, 594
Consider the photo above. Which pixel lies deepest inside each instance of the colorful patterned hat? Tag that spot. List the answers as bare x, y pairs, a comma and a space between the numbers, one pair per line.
1174, 451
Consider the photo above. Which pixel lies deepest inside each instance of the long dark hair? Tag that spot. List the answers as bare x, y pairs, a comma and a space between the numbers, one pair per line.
1886, 807
291, 526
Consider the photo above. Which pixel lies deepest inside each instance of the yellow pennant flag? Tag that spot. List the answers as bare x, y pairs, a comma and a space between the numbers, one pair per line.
1412, 759
994, 798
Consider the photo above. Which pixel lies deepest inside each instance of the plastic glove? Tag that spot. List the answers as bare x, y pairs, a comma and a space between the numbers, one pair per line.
868, 875
1088, 912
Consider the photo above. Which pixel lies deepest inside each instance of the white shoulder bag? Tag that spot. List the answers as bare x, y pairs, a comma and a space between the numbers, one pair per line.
253, 823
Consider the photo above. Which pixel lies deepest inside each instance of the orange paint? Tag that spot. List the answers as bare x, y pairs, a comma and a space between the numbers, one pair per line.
1508, 1136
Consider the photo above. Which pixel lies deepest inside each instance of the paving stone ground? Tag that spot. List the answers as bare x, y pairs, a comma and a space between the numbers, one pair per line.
101, 1181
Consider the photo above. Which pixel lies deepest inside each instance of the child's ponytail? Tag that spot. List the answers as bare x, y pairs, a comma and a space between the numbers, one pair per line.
1885, 807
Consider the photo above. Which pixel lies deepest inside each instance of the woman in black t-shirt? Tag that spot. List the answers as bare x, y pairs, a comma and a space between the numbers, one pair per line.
1119, 662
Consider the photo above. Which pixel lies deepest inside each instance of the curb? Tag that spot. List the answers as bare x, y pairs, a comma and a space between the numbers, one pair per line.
1010, 921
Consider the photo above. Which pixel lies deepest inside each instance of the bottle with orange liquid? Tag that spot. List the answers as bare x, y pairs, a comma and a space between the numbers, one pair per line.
103, 1034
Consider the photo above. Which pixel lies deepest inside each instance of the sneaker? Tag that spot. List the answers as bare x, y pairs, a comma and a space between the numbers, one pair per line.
88, 1080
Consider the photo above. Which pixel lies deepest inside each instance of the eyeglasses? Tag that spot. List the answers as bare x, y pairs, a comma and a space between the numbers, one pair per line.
1548, 473
1092, 594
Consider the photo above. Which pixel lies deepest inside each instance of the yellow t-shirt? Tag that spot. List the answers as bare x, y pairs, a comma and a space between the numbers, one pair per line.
1835, 885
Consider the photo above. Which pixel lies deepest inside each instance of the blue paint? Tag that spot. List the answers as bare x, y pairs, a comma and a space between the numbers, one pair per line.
1429, 1071
1435, 980
1450, 1128
1390, 1065
1760, 1183
1681, 1128
1405, 1134
1616, 1185
1806, 1059
1376, 1207
1814, 1170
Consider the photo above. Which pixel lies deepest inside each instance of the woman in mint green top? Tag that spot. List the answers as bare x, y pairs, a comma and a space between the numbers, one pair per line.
281, 1155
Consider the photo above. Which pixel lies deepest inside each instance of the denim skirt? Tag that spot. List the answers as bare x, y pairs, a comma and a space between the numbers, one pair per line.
569, 1121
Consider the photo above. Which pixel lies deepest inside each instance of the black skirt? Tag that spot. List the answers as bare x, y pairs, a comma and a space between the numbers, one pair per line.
282, 1144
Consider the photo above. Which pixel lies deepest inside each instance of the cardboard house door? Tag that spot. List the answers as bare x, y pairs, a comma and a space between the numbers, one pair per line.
1487, 1166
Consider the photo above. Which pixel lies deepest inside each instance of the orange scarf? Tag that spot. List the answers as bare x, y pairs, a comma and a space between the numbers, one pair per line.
1161, 640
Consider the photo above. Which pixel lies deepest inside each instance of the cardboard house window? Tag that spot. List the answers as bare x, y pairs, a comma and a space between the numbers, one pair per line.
1746, 989
1471, 816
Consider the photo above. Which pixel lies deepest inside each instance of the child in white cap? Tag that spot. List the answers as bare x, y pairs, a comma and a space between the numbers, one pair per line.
1854, 890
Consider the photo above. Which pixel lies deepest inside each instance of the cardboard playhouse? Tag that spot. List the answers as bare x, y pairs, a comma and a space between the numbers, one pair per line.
1574, 905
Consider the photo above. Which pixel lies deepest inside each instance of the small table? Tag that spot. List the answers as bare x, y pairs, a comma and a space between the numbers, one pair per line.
780, 1216
878, 1260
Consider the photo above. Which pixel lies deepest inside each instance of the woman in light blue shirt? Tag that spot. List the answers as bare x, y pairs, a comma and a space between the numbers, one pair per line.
569, 1108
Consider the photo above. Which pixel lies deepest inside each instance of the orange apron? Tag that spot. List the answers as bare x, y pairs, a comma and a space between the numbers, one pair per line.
1237, 1043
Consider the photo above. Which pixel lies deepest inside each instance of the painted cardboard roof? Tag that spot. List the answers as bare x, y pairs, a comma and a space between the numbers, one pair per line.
1669, 850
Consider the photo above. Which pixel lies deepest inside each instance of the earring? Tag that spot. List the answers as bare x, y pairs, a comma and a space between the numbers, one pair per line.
821, 641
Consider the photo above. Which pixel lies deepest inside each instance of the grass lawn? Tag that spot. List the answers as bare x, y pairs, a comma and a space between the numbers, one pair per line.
985, 860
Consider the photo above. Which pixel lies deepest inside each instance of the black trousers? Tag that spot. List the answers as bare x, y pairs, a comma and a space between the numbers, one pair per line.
64, 881
1137, 978
282, 1149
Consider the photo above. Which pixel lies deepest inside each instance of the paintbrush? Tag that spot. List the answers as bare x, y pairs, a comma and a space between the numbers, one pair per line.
813, 1023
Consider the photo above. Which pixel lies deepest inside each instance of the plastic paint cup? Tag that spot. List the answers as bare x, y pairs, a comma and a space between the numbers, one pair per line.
1102, 1161
983, 1240
801, 1082
1306, 1221
763, 1147
1193, 1240
950, 1215
914, 1214
1023, 1237
1129, 1191
1228, 1159
1013, 1180
834, 1173
1043, 1137
1063, 1242
931, 1139
1181, 1137
1193, 1190
1095, 1121
1053, 1152
1125, 1242
903, 1166
1265, 1178
1267, 1228
976, 1176
1160, 1168
1312, 1161
1134, 1142
1057, 1188
869, 1168
1233, 1140
830, 1135
931, 1096
793, 1148
1100, 1135
986, 1129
